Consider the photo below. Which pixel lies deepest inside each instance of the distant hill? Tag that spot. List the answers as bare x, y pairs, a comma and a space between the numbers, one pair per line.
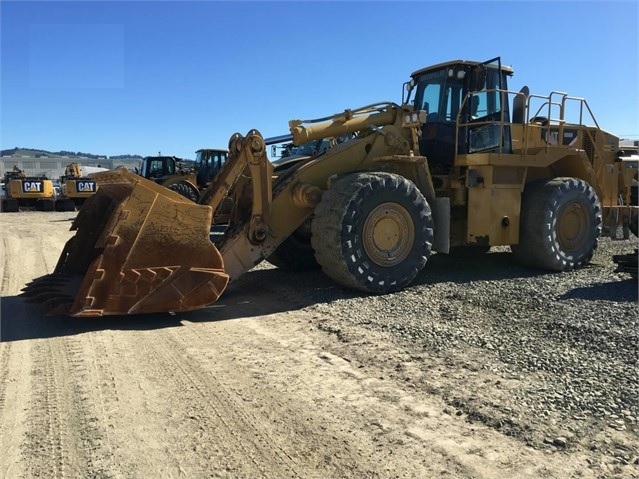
36, 153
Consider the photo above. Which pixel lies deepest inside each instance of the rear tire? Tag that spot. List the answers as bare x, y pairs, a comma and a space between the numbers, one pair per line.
372, 232
185, 190
560, 224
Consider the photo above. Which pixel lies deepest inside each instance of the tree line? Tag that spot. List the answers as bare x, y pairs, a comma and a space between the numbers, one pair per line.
40, 153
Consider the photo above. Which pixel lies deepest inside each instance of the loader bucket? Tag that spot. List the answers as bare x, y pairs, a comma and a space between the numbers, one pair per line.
138, 248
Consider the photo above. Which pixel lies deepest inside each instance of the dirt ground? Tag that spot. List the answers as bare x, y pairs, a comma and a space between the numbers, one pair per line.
250, 387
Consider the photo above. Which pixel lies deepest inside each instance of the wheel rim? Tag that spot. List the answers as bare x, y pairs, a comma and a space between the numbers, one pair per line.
388, 234
572, 226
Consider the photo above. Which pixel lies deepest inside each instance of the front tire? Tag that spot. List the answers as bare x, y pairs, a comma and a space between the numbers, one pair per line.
372, 232
560, 224
185, 190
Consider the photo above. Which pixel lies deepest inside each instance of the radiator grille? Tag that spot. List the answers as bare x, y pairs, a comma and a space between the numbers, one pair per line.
588, 146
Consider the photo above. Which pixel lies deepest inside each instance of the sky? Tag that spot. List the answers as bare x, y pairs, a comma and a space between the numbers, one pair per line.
119, 77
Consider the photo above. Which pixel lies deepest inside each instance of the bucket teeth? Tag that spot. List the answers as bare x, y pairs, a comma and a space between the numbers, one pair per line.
53, 292
48, 282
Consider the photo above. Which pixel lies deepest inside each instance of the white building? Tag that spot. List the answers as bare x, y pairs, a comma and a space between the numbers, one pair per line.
53, 167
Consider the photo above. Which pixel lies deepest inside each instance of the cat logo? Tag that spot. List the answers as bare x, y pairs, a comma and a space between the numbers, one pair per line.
86, 186
32, 186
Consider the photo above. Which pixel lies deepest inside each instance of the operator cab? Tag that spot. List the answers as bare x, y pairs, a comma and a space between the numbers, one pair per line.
158, 167
208, 162
466, 110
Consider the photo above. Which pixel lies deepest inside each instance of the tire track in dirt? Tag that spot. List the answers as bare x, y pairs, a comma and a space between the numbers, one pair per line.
133, 422
10, 276
308, 400
30, 252
105, 385
320, 394
211, 429
62, 440
5, 348
309, 397
4, 267
206, 383
5, 353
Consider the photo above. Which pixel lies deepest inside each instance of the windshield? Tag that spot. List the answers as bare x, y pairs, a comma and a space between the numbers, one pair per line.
439, 95
626, 151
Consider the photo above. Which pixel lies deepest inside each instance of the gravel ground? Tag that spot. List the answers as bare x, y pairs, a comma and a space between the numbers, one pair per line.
524, 366
548, 358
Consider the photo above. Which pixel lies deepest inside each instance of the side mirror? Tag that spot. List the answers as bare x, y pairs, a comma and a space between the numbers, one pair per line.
408, 88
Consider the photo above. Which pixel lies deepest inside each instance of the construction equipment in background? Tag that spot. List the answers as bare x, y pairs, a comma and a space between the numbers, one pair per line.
291, 150
75, 188
27, 192
462, 163
182, 176
290, 153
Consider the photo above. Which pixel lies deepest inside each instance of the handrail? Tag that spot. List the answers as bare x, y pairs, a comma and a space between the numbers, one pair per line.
550, 103
501, 122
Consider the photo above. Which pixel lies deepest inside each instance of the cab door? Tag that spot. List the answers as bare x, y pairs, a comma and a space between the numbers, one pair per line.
487, 114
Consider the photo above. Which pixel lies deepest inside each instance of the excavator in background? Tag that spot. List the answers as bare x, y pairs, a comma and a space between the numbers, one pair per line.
462, 162
188, 181
75, 188
22, 191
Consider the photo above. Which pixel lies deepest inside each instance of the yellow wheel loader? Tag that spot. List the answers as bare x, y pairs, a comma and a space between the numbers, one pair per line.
30, 192
75, 188
461, 162
189, 182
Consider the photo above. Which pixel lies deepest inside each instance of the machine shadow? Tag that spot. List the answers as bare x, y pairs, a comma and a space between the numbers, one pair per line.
21, 321
443, 268
625, 290
257, 293
66, 220
260, 292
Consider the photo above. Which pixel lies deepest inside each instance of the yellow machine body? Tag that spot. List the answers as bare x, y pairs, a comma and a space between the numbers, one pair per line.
22, 191
432, 174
